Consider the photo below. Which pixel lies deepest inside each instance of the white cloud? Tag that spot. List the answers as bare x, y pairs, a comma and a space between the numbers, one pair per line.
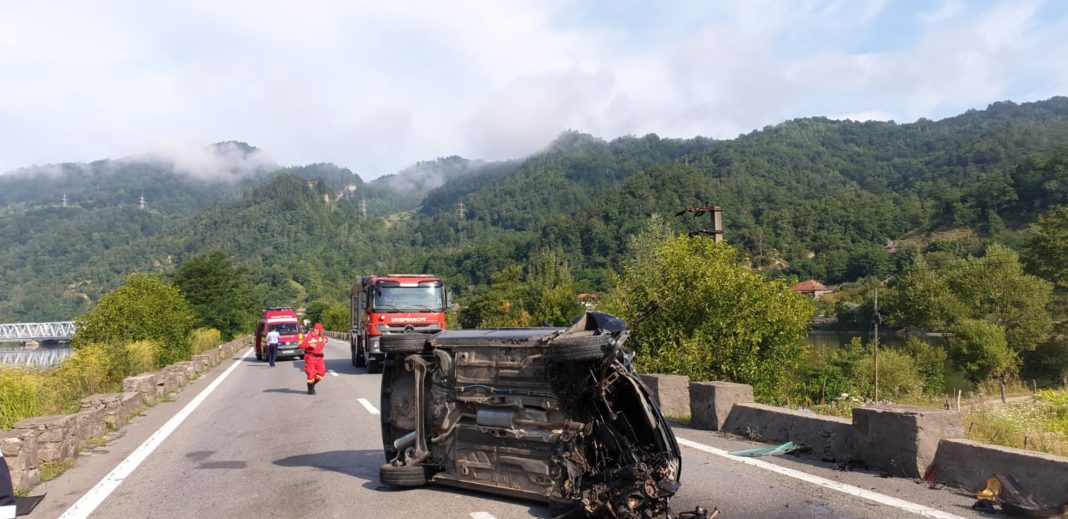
376, 86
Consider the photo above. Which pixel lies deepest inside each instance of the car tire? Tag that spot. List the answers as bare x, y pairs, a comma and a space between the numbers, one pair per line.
579, 348
358, 359
404, 475
403, 343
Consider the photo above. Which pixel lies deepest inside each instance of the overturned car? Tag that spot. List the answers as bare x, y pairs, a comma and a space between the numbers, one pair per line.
556, 415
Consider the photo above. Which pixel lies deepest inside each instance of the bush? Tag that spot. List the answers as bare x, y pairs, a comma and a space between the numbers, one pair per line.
930, 361
19, 395
145, 308
88, 372
204, 339
898, 376
140, 357
336, 318
717, 319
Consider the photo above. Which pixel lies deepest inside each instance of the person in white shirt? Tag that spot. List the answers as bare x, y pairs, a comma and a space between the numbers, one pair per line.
272, 345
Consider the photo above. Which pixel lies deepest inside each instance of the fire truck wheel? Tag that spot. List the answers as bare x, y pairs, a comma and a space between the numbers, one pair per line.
404, 476
358, 359
403, 343
580, 348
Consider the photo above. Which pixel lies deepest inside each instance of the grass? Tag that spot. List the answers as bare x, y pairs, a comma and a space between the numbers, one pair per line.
683, 419
53, 469
1040, 424
99, 440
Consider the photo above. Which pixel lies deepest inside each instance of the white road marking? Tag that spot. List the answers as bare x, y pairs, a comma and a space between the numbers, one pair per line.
481, 515
96, 495
367, 405
825, 483
334, 373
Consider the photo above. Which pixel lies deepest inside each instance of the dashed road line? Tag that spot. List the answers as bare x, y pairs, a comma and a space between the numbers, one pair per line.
368, 406
875, 497
92, 499
482, 515
332, 372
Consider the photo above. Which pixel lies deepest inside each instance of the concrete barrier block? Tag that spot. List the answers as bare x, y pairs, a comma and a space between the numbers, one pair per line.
968, 464
670, 392
830, 438
902, 440
711, 402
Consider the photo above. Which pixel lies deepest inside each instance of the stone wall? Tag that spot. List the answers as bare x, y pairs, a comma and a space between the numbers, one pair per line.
47, 439
341, 336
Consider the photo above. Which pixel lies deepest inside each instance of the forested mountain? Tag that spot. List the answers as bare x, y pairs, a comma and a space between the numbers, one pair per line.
834, 200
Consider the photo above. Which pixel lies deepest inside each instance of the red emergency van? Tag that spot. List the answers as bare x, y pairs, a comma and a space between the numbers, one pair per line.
284, 320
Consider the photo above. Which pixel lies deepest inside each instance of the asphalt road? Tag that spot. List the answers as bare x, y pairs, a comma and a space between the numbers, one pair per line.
258, 446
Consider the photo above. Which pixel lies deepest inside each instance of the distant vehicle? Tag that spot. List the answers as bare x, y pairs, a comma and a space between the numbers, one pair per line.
394, 309
550, 414
284, 320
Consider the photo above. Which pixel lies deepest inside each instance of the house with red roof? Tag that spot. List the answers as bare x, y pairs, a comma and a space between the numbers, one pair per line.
811, 288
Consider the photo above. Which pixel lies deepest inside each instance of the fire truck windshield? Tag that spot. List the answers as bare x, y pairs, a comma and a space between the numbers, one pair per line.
408, 299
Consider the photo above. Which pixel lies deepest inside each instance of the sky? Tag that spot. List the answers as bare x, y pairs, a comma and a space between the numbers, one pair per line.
376, 86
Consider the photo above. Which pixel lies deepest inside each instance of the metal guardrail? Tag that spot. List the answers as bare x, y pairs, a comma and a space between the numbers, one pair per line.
37, 331
39, 358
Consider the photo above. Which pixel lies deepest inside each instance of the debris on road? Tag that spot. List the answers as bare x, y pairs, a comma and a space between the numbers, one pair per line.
1004, 491
785, 448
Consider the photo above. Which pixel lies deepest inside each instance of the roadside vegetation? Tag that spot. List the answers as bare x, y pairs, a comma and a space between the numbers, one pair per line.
1039, 424
144, 325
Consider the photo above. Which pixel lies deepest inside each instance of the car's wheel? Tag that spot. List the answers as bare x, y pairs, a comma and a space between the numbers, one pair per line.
404, 475
403, 343
358, 359
579, 348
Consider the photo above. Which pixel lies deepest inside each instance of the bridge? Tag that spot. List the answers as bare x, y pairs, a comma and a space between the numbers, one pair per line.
22, 332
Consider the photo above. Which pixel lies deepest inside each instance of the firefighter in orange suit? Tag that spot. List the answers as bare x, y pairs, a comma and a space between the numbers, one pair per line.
314, 366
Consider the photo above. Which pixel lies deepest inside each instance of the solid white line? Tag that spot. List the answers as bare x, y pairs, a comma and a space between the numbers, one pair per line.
481, 515
876, 497
96, 495
367, 405
334, 373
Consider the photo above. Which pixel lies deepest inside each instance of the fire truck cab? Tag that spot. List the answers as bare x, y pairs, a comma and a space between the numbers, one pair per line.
392, 311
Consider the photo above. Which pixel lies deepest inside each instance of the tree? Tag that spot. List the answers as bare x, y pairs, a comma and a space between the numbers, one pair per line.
979, 348
550, 295
144, 309
717, 319
219, 292
1047, 248
336, 318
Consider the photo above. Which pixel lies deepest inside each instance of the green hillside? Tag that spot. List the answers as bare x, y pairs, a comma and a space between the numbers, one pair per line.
834, 200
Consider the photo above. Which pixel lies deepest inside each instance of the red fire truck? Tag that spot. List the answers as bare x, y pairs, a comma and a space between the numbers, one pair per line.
282, 319
394, 309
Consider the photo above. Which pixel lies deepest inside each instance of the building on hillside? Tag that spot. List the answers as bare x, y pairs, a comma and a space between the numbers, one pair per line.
811, 288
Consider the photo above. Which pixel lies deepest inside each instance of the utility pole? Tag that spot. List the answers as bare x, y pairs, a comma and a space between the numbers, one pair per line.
876, 343
141, 204
460, 209
64, 200
717, 220
363, 206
